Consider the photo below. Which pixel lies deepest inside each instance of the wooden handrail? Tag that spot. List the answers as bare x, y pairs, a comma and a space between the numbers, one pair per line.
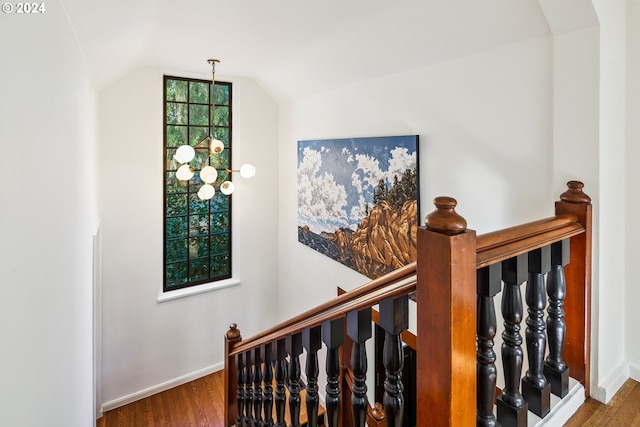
503, 244
491, 248
399, 282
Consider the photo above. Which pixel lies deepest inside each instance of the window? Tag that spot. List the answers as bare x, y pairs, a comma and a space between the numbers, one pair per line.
197, 233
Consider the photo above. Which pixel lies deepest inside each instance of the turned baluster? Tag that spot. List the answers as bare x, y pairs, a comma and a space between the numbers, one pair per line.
359, 330
535, 387
240, 364
268, 385
333, 337
248, 390
394, 319
281, 394
512, 408
257, 387
489, 284
554, 367
312, 342
294, 349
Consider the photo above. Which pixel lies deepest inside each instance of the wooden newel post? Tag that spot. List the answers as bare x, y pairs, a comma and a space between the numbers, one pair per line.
230, 376
446, 301
577, 304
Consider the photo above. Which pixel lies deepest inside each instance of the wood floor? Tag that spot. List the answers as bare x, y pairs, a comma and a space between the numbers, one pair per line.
622, 411
196, 403
199, 403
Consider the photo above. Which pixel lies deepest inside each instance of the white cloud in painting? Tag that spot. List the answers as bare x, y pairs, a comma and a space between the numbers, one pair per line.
347, 154
319, 196
370, 168
400, 161
336, 182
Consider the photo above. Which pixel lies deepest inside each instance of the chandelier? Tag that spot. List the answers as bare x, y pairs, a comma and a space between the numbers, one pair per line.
208, 174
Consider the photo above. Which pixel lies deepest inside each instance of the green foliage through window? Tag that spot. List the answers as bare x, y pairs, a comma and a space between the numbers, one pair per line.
197, 233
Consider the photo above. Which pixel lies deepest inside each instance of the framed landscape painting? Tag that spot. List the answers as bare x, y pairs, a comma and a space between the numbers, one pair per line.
358, 201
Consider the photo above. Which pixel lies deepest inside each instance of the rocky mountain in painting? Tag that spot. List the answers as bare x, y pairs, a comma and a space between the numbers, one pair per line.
384, 241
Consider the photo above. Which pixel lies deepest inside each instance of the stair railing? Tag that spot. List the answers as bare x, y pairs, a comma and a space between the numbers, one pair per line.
456, 278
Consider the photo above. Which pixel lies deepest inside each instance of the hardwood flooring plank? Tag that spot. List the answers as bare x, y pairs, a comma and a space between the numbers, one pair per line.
192, 397
603, 414
627, 411
580, 418
636, 421
594, 413
156, 414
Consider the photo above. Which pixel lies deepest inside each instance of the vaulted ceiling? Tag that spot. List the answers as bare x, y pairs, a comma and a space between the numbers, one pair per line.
294, 48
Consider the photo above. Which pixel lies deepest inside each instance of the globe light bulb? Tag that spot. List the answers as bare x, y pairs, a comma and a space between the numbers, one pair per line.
247, 170
216, 146
184, 173
227, 188
209, 174
206, 192
184, 154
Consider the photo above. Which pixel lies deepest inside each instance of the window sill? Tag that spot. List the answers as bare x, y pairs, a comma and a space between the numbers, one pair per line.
195, 290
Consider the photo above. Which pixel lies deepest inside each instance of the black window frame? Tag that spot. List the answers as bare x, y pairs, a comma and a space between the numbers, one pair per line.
219, 207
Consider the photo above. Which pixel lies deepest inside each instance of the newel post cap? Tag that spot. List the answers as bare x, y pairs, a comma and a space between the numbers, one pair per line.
575, 194
445, 219
233, 333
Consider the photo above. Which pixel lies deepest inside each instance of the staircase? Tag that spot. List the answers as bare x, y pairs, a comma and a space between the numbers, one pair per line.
456, 280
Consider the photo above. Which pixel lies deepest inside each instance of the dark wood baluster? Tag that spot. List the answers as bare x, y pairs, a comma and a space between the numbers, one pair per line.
312, 342
268, 384
489, 284
394, 319
281, 394
359, 330
535, 387
333, 337
294, 348
556, 371
248, 389
257, 387
512, 408
240, 364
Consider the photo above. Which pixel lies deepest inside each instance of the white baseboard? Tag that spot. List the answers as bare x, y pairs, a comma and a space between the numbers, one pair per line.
150, 391
634, 371
604, 391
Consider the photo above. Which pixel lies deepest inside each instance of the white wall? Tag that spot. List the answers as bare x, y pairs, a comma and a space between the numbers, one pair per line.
611, 367
576, 114
575, 108
632, 300
485, 130
147, 345
47, 114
